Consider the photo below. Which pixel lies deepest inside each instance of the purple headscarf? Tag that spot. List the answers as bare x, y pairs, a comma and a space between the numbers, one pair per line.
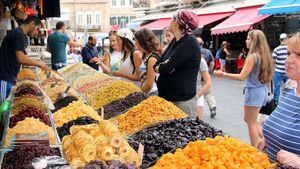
187, 20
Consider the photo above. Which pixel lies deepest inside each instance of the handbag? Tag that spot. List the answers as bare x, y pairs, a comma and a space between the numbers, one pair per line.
269, 107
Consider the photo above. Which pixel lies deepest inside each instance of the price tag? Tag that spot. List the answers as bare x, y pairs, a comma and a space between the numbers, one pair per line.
141, 151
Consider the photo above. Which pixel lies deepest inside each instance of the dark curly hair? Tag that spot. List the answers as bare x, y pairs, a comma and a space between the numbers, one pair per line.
148, 41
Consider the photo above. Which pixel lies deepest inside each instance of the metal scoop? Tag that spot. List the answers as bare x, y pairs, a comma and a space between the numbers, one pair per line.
65, 93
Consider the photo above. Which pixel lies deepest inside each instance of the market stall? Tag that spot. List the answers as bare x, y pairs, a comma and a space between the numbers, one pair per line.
114, 125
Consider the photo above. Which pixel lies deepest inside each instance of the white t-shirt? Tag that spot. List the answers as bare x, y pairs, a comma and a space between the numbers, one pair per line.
126, 67
203, 68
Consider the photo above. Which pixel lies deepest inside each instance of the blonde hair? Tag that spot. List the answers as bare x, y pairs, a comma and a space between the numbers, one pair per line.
260, 46
294, 42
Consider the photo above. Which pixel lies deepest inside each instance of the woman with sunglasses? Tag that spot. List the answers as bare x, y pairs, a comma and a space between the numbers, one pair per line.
179, 64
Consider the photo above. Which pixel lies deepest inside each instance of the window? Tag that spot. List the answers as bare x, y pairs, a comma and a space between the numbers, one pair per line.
122, 2
97, 18
130, 3
114, 2
113, 20
89, 19
79, 18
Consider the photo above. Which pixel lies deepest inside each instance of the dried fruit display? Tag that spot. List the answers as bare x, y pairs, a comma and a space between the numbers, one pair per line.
116, 90
97, 164
64, 102
28, 102
81, 81
118, 107
29, 112
165, 137
26, 74
65, 129
42, 75
220, 152
52, 81
90, 89
30, 126
53, 90
16, 99
73, 111
148, 112
28, 88
100, 141
21, 156
71, 73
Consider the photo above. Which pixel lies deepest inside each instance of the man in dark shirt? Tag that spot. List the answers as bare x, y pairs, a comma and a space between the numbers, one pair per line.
89, 53
13, 54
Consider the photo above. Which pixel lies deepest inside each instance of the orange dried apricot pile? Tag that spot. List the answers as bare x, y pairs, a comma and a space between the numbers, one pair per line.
217, 153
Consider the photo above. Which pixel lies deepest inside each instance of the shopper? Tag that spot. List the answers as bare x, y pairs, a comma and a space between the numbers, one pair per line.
57, 43
132, 58
204, 81
169, 37
179, 64
13, 54
89, 53
112, 58
148, 44
282, 130
208, 95
222, 54
257, 72
279, 55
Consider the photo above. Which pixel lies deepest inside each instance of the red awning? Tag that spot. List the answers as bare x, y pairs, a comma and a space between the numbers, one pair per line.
242, 20
159, 24
206, 19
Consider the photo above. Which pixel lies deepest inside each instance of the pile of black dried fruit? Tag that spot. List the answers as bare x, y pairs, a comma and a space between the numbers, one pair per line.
29, 112
22, 156
64, 102
65, 129
165, 137
118, 107
28, 88
114, 164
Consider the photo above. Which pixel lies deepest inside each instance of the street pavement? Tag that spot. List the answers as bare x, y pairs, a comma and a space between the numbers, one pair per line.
229, 98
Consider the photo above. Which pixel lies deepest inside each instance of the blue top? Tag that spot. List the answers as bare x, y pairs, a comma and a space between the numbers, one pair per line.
282, 128
280, 7
178, 68
14, 41
87, 54
207, 55
57, 44
252, 80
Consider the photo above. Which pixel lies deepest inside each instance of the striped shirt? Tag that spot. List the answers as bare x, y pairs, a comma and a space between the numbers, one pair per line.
280, 54
282, 128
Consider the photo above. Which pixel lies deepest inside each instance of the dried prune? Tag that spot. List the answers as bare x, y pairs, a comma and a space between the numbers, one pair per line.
64, 102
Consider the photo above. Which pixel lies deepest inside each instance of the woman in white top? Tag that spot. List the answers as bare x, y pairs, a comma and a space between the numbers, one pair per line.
130, 64
112, 58
147, 43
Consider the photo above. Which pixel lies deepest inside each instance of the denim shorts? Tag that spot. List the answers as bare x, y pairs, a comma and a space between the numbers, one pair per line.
256, 97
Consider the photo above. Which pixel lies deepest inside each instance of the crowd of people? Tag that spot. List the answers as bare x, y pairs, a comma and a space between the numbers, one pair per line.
180, 72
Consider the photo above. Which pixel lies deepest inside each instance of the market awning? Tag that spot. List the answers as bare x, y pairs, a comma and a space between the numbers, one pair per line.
280, 7
133, 25
159, 24
206, 19
242, 20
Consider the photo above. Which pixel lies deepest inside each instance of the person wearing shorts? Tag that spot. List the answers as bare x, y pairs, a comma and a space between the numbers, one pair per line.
201, 90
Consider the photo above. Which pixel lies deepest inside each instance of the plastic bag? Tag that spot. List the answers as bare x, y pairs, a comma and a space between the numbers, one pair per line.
50, 162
